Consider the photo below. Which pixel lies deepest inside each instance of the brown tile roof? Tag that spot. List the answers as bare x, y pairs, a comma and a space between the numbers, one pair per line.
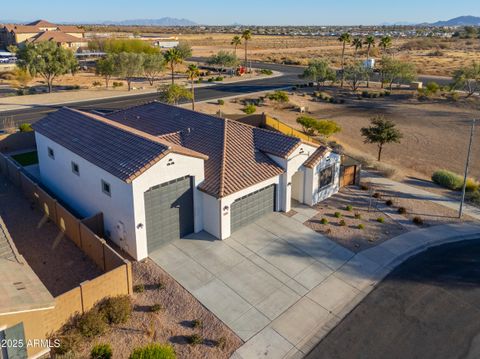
70, 28
236, 151
34, 27
41, 23
22, 29
56, 36
124, 152
316, 157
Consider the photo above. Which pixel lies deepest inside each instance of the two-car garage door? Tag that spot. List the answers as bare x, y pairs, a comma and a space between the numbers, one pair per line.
251, 207
169, 212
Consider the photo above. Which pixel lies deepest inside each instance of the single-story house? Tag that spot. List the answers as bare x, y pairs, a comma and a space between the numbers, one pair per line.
160, 172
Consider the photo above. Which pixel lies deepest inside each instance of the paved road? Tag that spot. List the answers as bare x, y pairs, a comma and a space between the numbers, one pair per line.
289, 78
427, 308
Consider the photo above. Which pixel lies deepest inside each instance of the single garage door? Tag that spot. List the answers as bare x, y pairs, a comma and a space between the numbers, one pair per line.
251, 207
168, 212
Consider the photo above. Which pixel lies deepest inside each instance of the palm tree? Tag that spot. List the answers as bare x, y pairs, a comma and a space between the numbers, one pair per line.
236, 41
385, 42
192, 73
344, 39
173, 56
247, 36
370, 42
357, 43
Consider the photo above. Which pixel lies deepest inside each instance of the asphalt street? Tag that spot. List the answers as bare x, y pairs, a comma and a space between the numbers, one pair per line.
428, 308
290, 77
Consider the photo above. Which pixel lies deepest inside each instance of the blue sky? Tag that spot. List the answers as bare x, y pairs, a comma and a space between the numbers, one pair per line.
267, 12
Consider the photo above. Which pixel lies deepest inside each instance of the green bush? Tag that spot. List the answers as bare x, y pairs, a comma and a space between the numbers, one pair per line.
364, 187
92, 323
219, 78
432, 87
117, 310
101, 351
349, 207
361, 226
25, 127
389, 202
266, 72
139, 288
195, 339
197, 323
154, 351
324, 221
278, 96
221, 343
249, 109
96, 83
402, 210
116, 84
358, 216
155, 308
69, 343
221, 102
342, 223
453, 181
380, 220
337, 214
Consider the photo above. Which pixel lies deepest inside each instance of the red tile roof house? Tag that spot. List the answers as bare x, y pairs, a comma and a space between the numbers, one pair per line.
159, 172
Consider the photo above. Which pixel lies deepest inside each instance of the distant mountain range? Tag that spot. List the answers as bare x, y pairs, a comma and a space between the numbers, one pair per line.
460, 21
164, 21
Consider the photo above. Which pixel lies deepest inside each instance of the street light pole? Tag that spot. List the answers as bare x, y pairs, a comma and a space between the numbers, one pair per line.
472, 130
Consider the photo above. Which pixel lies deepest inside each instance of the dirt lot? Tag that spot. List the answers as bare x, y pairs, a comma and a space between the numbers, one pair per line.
58, 263
172, 324
435, 131
431, 56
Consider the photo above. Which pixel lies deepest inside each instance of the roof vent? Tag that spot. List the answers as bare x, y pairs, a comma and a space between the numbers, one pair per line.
19, 285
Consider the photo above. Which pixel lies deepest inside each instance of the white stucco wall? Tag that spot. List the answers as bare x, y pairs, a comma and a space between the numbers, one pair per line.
211, 215
312, 179
83, 192
161, 173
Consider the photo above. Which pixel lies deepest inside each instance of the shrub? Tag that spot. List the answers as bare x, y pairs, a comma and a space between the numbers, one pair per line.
221, 342
92, 323
101, 351
154, 351
361, 226
342, 223
348, 207
25, 127
197, 323
432, 87
195, 339
117, 310
69, 343
402, 210
324, 221
210, 79
278, 96
364, 187
447, 179
139, 288
389, 202
472, 185
266, 72
473, 197
116, 84
380, 220
221, 102
155, 308
219, 78
417, 220
96, 83
249, 109
358, 216
376, 195
337, 214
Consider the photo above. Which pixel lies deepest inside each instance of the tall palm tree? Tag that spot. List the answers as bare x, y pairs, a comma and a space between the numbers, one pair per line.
344, 39
357, 43
385, 42
173, 57
246, 36
192, 73
370, 42
236, 41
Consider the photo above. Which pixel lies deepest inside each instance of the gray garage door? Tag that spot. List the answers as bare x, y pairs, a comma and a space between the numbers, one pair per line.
168, 212
251, 207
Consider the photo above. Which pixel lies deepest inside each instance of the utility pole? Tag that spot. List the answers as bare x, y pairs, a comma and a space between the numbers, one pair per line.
472, 130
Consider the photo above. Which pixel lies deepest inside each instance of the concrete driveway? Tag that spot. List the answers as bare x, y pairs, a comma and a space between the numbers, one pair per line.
272, 282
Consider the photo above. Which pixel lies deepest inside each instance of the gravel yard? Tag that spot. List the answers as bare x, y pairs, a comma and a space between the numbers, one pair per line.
56, 260
173, 323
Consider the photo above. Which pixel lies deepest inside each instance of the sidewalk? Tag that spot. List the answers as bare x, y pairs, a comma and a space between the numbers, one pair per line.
74, 96
338, 294
417, 193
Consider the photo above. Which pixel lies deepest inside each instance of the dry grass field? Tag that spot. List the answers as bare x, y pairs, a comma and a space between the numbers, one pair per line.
431, 56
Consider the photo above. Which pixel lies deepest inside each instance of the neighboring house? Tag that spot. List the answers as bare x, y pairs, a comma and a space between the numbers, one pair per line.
41, 30
23, 299
159, 172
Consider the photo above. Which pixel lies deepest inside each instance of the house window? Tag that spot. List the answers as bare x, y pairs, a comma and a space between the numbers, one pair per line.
75, 168
325, 177
51, 153
106, 188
